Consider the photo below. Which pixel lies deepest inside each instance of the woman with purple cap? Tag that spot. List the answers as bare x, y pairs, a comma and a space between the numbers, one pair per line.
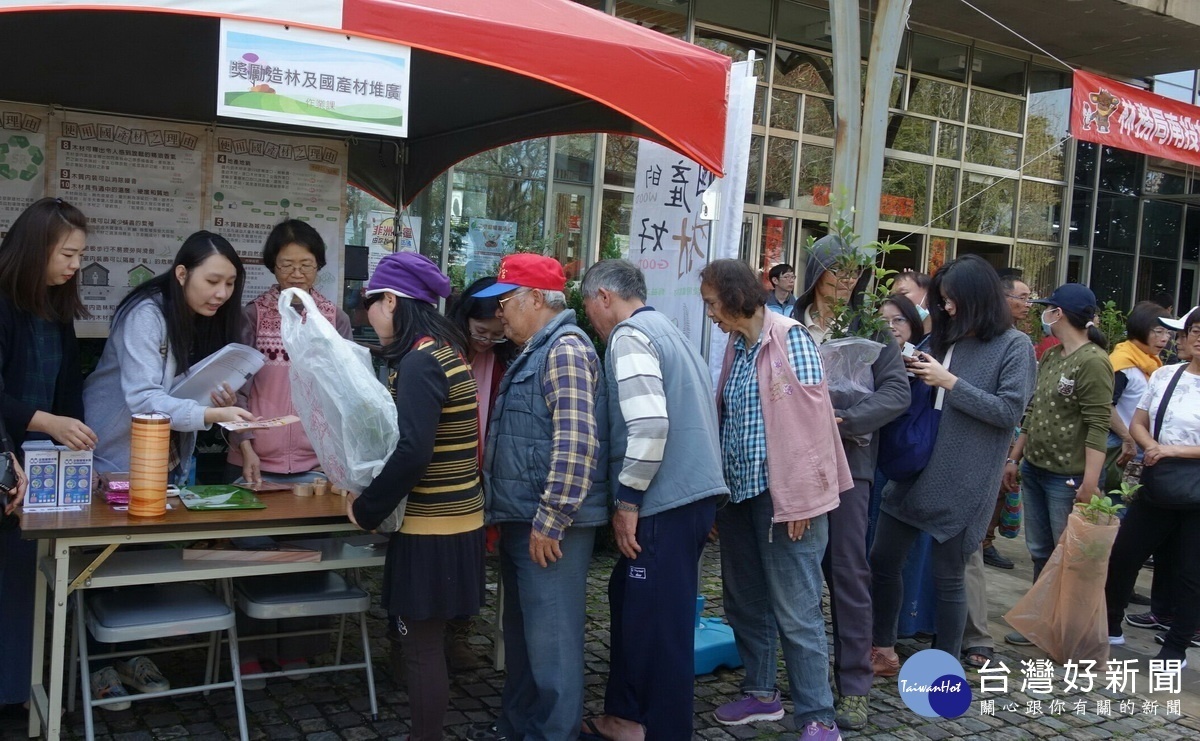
1064, 436
434, 567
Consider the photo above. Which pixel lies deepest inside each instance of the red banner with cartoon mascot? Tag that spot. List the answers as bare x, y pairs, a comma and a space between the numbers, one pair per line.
1108, 112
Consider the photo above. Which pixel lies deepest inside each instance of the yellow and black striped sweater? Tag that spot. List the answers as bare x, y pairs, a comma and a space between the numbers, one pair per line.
436, 461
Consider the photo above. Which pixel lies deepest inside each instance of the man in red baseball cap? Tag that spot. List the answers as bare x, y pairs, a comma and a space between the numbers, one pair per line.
546, 480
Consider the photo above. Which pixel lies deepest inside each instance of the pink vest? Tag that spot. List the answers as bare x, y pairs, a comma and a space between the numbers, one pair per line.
806, 465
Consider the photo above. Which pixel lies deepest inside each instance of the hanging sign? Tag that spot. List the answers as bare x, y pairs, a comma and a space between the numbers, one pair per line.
312, 78
1108, 112
22, 160
668, 238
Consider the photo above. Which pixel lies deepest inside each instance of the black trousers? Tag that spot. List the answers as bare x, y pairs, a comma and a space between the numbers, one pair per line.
1145, 529
652, 605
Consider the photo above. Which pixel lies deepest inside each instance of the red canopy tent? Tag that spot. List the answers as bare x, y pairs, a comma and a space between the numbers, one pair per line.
483, 73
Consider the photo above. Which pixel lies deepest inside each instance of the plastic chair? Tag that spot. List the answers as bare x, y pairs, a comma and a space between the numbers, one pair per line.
156, 611
308, 595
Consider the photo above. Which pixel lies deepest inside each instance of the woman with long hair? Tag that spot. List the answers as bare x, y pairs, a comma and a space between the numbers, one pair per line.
159, 330
434, 567
42, 394
1064, 438
984, 369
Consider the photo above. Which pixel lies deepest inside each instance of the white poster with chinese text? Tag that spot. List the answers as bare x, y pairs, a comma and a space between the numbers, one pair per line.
138, 182
301, 76
23, 158
259, 180
385, 236
668, 240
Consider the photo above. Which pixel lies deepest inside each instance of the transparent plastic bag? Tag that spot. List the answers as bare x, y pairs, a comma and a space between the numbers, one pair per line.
1064, 612
847, 362
348, 414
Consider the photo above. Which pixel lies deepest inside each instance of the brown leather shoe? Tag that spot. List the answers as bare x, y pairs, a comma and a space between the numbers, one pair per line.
884, 666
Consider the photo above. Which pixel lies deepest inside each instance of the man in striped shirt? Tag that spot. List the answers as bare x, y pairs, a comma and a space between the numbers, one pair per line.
665, 483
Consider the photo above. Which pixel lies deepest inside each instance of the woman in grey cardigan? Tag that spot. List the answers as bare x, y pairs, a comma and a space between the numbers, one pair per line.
989, 380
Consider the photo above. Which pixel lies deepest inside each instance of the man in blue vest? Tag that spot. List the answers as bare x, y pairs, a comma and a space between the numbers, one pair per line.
665, 479
546, 488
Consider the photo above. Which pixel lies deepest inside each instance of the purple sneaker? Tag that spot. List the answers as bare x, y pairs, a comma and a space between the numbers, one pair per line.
749, 709
815, 731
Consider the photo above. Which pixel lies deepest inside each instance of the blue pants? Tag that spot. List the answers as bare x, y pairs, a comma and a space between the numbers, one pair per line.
1047, 500
772, 588
18, 560
544, 614
652, 609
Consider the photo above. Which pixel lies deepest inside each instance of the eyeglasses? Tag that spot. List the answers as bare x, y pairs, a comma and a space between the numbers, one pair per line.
896, 321
306, 268
479, 338
1194, 333
506, 299
1023, 299
1160, 331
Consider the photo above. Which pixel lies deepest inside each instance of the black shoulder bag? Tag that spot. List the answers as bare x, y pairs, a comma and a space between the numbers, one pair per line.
1172, 483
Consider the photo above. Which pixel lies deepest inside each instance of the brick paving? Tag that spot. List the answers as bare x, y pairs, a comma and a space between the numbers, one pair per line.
328, 707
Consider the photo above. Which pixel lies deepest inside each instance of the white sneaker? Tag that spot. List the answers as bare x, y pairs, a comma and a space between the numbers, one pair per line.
141, 674
106, 684
1116, 640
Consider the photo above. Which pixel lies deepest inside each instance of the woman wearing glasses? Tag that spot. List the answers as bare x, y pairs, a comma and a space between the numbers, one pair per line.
1133, 362
295, 253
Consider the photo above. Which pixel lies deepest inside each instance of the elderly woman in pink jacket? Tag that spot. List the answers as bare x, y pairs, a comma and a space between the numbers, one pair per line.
785, 468
295, 253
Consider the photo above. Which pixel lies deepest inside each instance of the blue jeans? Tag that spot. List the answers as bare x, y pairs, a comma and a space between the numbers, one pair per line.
1047, 500
772, 588
544, 614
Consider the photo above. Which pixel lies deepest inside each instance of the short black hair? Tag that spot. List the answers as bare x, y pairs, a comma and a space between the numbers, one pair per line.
777, 272
738, 288
922, 280
293, 231
980, 308
1143, 319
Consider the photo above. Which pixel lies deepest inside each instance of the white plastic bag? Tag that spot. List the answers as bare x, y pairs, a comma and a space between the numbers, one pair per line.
348, 414
848, 372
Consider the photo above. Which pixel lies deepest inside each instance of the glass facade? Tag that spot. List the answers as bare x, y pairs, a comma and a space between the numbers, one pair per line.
978, 159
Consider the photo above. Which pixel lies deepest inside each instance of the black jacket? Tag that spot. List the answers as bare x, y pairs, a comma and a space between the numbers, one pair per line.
16, 334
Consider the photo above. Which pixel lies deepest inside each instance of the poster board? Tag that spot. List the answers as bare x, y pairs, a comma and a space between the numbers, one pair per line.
24, 159
668, 238
258, 180
139, 182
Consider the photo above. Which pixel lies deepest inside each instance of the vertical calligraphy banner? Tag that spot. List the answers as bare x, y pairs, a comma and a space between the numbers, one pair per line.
668, 240
138, 182
259, 180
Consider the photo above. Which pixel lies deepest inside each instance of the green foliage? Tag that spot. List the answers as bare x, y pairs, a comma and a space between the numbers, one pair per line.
1127, 491
1112, 323
1101, 510
864, 320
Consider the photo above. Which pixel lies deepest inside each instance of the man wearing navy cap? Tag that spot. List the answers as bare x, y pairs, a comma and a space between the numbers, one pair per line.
547, 491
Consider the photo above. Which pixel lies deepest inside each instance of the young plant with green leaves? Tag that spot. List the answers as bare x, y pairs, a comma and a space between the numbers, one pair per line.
864, 319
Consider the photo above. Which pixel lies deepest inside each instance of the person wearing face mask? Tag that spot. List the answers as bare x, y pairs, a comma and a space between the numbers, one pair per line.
845, 561
914, 286
1064, 437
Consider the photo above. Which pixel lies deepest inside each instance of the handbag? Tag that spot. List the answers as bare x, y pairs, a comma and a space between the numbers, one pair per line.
1171, 483
906, 443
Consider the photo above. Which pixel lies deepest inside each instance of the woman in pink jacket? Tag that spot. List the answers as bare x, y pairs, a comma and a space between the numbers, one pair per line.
295, 253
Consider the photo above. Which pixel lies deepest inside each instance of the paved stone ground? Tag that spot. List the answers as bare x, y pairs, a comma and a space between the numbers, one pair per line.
327, 707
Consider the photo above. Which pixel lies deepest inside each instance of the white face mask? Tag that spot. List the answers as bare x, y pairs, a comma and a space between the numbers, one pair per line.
1046, 325
922, 312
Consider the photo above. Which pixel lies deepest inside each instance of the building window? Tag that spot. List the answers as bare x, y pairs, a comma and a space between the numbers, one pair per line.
939, 58
1161, 225
669, 19
1041, 211
988, 204
1047, 129
904, 192
753, 16
1111, 277
1116, 223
